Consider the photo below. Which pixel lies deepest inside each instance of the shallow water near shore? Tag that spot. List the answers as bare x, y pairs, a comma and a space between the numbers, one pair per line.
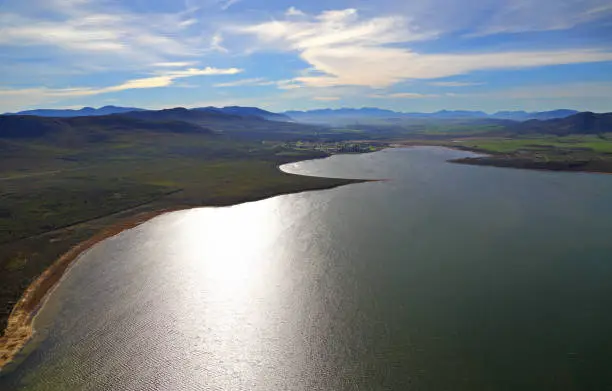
445, 277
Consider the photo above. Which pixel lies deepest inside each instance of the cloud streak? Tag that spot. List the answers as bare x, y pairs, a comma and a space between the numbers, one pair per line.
403, 95
454, 84
543, 15
346, 50
256, 81
478, 18
326, 98
42, 94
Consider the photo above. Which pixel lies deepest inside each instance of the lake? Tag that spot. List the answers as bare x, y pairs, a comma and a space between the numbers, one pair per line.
443, 277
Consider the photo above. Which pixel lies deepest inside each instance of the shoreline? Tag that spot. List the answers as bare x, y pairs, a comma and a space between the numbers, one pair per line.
492, 159
525, 164
19, 329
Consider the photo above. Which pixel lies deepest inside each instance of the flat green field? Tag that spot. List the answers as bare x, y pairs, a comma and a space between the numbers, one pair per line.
593, 143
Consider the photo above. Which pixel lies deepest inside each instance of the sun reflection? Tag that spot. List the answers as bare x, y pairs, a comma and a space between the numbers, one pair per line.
228, 271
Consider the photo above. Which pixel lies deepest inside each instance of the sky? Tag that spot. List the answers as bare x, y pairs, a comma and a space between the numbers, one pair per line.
405, 55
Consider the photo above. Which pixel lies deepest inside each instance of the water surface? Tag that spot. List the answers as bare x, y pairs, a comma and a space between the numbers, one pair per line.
445, 277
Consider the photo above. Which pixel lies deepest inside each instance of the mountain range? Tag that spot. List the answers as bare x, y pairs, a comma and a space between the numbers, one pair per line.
323, 115
107, 110
83, 112
139, 122
213, 121
319, 115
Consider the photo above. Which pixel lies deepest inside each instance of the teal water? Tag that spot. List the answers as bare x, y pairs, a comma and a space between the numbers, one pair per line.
444, 277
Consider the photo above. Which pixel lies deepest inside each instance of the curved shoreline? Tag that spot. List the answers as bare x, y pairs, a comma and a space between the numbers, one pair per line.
19, 329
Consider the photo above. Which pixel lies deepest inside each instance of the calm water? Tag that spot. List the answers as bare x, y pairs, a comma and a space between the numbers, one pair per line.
445, 277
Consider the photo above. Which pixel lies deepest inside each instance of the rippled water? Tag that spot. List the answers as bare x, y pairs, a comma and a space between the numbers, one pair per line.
445, 277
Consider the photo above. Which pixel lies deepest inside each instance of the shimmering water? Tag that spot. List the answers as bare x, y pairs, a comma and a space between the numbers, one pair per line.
445, 277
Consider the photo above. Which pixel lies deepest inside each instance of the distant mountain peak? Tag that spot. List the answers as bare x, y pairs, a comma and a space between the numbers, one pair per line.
322, 115
84, 111
316, 115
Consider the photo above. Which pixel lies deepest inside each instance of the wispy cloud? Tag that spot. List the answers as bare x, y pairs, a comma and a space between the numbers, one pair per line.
175, 64
103, 35
333, 28
292, 11
402, 95
326, 98
118, 33
286, 84
454, 84
348, 50
487, 17
216, 43
543, 15
257, 81
225, 4
165, 79
384, 66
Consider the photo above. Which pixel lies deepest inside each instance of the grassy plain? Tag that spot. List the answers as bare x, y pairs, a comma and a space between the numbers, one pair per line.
591, 153
588, 143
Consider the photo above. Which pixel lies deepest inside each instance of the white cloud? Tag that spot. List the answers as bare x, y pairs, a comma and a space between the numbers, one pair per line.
110, 33
333, 28
346, 50
287, 84
378, 66
217, 43
402, 95
292, 11
257, 81
326, 98
42, 94
454, 84
175, 64
187, 23
225, 4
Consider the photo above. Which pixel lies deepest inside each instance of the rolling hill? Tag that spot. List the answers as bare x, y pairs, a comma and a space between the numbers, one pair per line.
249, 112
541, 115
177, 120
581, 123
88, 128
230, 124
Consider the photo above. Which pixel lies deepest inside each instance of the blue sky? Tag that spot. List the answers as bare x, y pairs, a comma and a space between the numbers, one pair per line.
404, 55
